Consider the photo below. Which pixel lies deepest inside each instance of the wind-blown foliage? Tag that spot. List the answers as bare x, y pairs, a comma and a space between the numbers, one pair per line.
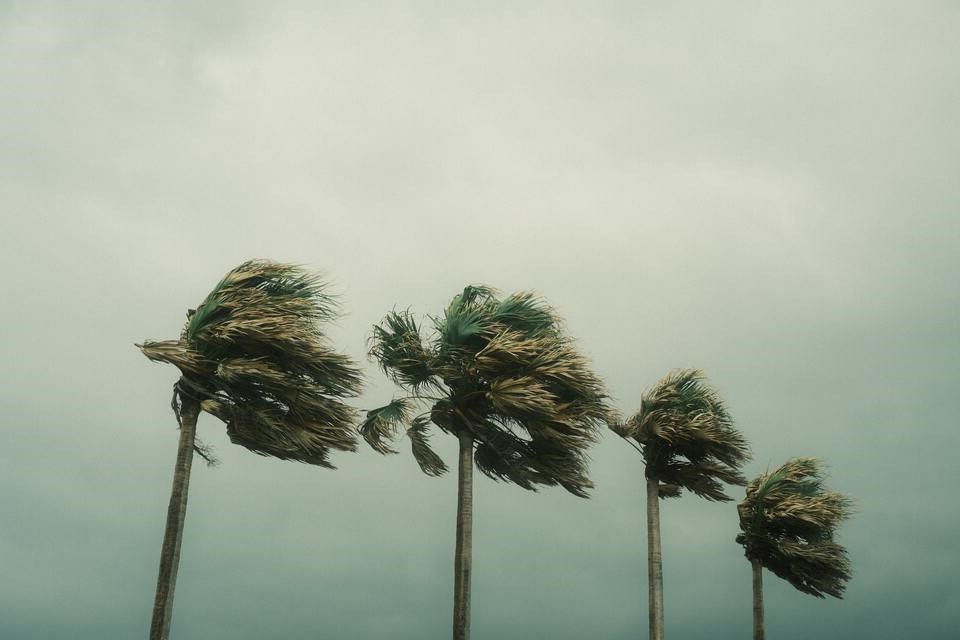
502, 369
502, 377
687, 437
254, 355
789, 519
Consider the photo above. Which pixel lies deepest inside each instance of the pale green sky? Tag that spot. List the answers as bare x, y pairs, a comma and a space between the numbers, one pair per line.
767, 193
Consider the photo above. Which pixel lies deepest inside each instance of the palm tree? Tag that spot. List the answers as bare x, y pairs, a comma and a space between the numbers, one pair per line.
687, 439
501, 376
253, 355
788, 521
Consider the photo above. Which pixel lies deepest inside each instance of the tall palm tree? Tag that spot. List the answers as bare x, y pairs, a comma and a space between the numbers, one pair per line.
253, 354
788, 521
687, 439
503, 378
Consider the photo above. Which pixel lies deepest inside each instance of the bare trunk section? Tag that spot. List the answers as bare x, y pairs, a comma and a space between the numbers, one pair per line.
463, 558
176, 512
654, 560
757, 599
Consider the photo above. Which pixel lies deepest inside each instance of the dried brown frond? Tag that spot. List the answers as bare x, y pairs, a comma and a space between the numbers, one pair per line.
687, 436
504, 370
255, 355
788, 521
522, 396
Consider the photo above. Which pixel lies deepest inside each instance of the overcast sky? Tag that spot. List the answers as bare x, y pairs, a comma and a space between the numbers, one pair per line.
768, 193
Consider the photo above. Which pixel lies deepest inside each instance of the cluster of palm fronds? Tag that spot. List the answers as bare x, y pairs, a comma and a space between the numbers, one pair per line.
503, 376
687, 437
788, 521
504, 370
254, 355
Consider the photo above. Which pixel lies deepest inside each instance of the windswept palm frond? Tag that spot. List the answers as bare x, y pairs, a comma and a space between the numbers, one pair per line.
466, 318
385, 422
430, 463
704, 479
526, 314
687, 436
818, 568
504, 370
523, 396
788, 519
255, 356
398, 347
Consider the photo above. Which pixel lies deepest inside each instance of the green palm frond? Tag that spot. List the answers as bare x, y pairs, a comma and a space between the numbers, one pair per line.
526, 314
560, 463
466, 318
789, 518
430, 463
666, 490
504, 370
398, 347
461, 326
255, 355
501, 465
687, 436
385, 422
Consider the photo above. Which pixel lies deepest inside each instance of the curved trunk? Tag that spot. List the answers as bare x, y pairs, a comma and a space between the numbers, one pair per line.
463, 557
176, 512
757, 599
654, 560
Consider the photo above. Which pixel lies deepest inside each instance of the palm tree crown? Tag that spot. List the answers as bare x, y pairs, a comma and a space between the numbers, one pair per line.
253, 354
788, 521
687, 437
505, 371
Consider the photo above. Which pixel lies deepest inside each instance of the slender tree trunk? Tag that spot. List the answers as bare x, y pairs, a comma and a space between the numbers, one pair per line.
176, 512
463, 558
757, 599
654, 560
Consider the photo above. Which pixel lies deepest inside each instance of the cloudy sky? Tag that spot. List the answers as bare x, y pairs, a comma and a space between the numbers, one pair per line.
769, 193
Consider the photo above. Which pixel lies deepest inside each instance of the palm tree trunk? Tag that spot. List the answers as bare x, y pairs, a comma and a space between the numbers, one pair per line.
654, 560
176, 512
757, 599
463, 557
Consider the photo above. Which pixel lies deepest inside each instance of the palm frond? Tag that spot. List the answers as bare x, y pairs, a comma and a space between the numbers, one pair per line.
384, 423
398, 347
507, 373
819, 569
430, 463
526, 314
179, 355
258, 289
789, 518
666, 490
503, 465
687, 436
523, 396
256, 357
705, 479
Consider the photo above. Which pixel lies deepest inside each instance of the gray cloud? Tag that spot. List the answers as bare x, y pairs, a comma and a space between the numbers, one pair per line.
766, 193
